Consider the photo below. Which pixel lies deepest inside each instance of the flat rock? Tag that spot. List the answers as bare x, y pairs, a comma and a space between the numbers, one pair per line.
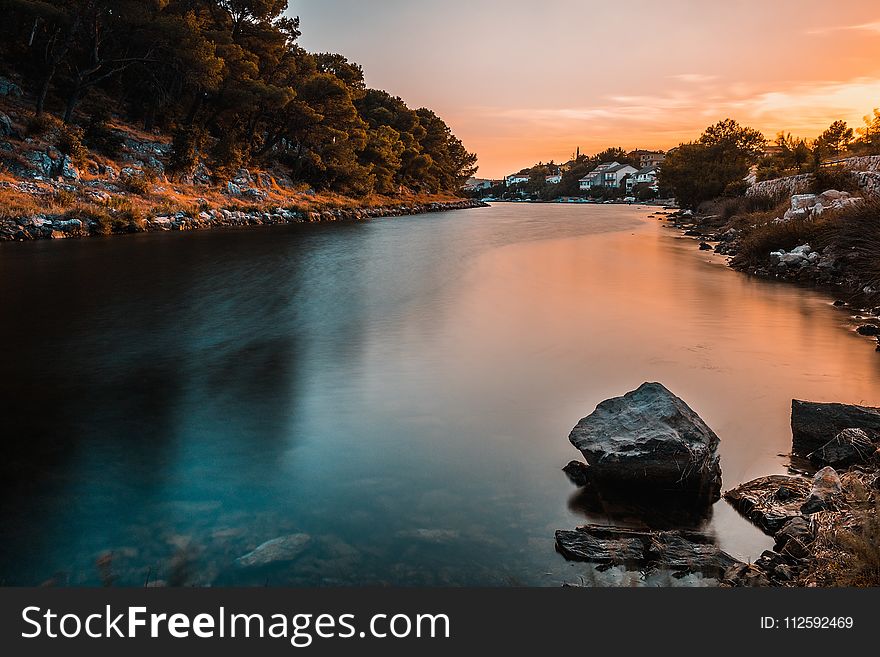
283, 548
814, 424
770, 502
650, 439
679, 551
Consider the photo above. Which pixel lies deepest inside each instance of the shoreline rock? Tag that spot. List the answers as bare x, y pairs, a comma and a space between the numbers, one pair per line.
55, 227
649, 439
680, 551
814, 425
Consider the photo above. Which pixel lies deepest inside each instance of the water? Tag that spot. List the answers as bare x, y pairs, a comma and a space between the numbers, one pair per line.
400, 390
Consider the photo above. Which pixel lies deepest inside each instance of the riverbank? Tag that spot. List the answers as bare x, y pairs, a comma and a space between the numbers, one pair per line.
55, 183
84, 224
825, 241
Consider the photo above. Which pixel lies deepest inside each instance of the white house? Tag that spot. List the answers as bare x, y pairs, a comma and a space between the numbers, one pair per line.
607, 174
516, 179
647, 175
553, 179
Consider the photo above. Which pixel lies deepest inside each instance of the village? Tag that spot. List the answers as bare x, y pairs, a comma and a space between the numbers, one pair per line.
613, 175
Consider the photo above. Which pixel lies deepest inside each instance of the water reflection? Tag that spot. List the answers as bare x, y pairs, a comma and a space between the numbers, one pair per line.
399, 390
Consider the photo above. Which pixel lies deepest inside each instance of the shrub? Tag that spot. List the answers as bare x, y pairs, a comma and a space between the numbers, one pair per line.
70, 142
39, 125
837, 178
135, 183
862, 549
101, 137
185, 147
771, 235
856, 232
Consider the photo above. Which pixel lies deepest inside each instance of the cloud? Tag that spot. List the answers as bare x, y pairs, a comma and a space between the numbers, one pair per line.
861, 27
694, 78
803, 107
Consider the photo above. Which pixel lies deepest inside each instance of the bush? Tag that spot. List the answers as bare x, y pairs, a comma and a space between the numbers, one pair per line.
834, 178
70, 142
771, 235
856, 232
185, 147
136, 184
39, 125
101, 137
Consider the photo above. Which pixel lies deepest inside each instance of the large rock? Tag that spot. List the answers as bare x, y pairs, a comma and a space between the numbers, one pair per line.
849, 447
649, 438
283, 548
679, 551
770, 502
814, 424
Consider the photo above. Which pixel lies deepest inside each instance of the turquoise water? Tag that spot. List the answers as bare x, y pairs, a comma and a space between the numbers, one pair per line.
399, 390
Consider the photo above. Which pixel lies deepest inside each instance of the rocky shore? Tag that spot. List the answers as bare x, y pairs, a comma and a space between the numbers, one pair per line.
48, 226
823, 515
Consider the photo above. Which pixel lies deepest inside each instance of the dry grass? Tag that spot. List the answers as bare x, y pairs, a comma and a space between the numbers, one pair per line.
846, 550
856, 232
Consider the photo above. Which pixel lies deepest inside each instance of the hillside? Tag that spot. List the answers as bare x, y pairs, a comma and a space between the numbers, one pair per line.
121, 117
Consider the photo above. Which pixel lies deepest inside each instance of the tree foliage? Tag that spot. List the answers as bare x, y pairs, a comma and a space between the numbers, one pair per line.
229, 81
712, 166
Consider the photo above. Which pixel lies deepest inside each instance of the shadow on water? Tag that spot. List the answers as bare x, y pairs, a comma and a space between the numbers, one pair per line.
657, 511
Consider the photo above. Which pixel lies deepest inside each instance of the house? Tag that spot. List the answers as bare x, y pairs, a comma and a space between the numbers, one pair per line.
473, 184
648, 158
553, 178
517, 178
607, 174
646, 176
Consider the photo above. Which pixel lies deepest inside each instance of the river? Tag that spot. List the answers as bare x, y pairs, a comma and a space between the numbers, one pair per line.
400, 390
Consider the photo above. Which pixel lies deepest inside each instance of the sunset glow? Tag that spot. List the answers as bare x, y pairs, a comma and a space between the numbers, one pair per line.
520, 81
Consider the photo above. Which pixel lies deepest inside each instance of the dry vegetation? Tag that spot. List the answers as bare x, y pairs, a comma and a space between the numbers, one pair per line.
846, 550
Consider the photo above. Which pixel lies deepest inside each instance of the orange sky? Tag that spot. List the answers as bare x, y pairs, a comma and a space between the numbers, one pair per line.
522, 81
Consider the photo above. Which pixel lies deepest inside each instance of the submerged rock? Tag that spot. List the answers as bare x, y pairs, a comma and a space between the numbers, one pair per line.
283, 548
770, 502
679, 551
814, 424
649, 438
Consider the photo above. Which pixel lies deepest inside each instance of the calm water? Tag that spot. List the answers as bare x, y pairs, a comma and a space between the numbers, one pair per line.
400, 390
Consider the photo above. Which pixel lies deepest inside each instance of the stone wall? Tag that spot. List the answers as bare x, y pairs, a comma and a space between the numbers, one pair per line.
779, 187
865, 170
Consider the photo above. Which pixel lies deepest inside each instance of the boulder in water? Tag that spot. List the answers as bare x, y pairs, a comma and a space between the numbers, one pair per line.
650, 439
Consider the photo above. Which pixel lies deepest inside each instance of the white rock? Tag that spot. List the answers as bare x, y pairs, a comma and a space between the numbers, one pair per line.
803, 201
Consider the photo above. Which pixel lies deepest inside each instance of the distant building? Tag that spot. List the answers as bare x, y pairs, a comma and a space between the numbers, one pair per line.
517, 178
475, 184
607, 174
553, 178
648, 158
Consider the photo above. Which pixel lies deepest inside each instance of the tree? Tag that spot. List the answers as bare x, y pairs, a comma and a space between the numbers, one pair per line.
869, 135
714, 165
836, 138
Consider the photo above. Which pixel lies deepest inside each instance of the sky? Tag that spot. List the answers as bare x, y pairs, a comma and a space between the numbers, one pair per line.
522, 81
